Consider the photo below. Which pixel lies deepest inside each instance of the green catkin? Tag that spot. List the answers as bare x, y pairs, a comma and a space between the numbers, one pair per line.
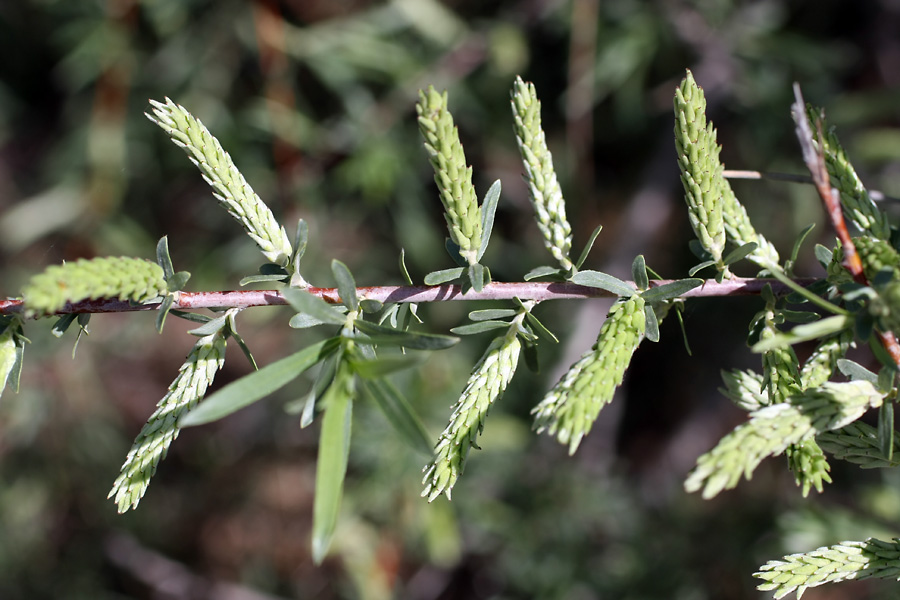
569, 410
872, 558
740, 230
230, 188
857, 204
745, 389
486, 384
701, 171
543, 186
451, 174
152, 444
122, 277
772, 429
821, 364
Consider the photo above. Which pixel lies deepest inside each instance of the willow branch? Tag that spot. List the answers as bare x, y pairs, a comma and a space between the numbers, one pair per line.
537, 291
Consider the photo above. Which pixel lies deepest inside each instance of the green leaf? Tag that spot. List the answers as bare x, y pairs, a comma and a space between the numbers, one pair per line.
163, 259
477, 276
209, 327
331, 466
163, 311
190, 316
639, 272
795, 252
305, 321
488, 210
540, 329
8, 357
886, 429
603, 281
403, 268
384, 365
479, 327
667, 291
399, 414
257, 385
324, 379
543, 272
380, 335
261, 279
531, 357
697, 268
346, 284
799, 316
651, 331
300, 241
588, 246
823, 255
62, 324
855, 371
740, 253
492, 313
370, 306
232, 327
177, 281
444, 276
453, 250
802, 333
304, 302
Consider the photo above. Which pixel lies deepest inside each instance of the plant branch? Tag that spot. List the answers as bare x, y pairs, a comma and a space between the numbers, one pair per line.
538, 291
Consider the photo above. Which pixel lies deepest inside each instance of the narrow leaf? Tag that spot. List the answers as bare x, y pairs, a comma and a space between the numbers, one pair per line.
479, 327
444, 276
477, 276
652, 323
540, 329
854, 371
697, 268
305, 321
177, 281
300, 241
304, 302
603, 281
163, 311
492, 313
453, 250
488, 209
823, 255
346, 284
257, 385
380, 335
331, 466
588, 246
670, 290
800, 239
886, 429
543, 272
639, 272
261, 279
802, 333
400, 414
740, 253
403, 268
163, 259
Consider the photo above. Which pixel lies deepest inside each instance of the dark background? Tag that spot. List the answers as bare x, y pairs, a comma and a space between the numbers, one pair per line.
315, 102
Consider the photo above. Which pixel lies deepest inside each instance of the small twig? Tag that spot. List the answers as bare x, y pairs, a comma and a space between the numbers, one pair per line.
814, 157
875, 195
538, 291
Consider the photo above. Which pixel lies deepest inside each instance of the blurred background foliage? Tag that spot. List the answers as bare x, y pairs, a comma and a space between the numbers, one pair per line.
315, 99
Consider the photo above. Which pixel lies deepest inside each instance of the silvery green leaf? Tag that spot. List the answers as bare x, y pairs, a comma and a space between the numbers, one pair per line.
209, 327
444, 276
886, 430
346, 284
190, 316
453, 250
477, 274
257, 385
403, 270
304, 302
671, 290
163, 259
800, 239
854, 371
300, 241
802, 333
163, 311
639, 272
603, 281
479, 327
799, 316
492, 313
540, 329
488, 210
261, 279
652, 323
370, 306
543, 272
62, 324
588, 246
232, 327
380, 335
823, 255
740, 253
305, 321
178, 280
697, 268
323, 380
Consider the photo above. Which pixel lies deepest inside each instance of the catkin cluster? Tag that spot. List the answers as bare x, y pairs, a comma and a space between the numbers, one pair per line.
452, 176
122, 277
830, 564
229, 185
543, 186
569, 410
487, 382
772, 429
152, 444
